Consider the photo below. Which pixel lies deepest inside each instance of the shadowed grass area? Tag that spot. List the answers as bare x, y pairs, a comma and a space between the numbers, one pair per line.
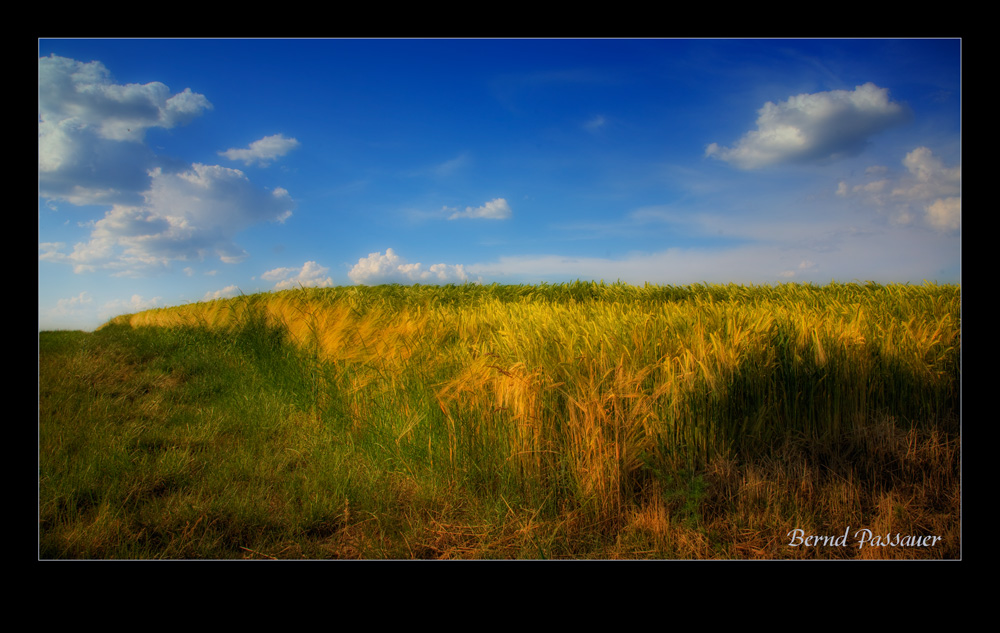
567, 421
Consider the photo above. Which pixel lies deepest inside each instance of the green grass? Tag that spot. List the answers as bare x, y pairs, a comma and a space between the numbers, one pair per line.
554, 421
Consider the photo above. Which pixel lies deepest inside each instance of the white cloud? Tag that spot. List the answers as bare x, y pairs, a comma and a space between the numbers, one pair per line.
945, 214
496, 209
91, 150
81, 257
810, 127
186, 215
228, 291
391, 268
263, 151
91, 130
929, 177
311, 274
85, 95
928, 188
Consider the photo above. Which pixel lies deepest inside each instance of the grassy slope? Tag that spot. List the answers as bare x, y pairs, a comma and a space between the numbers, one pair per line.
180, 444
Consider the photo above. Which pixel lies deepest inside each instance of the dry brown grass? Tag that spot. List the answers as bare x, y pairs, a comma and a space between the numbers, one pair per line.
883, 479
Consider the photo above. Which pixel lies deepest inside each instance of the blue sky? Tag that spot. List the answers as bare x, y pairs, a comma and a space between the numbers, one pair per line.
173, 170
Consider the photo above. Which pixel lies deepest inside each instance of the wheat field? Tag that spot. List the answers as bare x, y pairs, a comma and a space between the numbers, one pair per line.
585, 387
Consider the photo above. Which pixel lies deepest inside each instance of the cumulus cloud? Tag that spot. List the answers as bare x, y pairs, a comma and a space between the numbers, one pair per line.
929, 177
228, 291
945, 214
310, 274
91, 150
496, 209
811, 127
91, 130
85, 94
391, 268
928, 189
262, 151
185, 215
